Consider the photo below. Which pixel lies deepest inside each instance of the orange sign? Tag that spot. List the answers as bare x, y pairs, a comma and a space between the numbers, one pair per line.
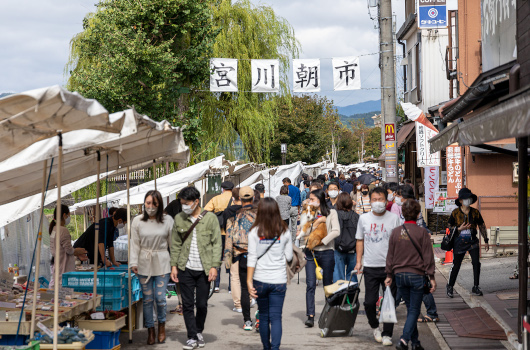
390, 132
455, 170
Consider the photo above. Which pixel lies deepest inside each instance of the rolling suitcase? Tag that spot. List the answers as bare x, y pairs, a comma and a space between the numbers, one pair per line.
340, 312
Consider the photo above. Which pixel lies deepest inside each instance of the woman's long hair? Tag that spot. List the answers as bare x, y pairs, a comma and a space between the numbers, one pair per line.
157, 198
355, 184
321, 196
64, 210
269, 220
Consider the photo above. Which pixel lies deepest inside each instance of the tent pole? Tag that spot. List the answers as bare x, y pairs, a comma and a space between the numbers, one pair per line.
154, 172
96, 234
39, 245
58, 219
129, 254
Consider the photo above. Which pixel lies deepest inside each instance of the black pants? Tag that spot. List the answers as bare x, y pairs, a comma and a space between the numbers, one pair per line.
457, 262
194, 287
245, 296
374, 277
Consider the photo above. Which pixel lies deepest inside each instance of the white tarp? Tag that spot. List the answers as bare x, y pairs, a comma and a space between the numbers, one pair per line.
141, 141
38, 114
166, 185
273, 183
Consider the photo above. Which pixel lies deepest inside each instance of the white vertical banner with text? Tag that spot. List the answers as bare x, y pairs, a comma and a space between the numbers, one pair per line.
346, 73
423, 148
306, 75
223, 75
432, 185
265, 75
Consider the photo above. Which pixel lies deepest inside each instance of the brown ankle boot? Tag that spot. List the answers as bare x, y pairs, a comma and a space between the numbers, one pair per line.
161, 332
151, 336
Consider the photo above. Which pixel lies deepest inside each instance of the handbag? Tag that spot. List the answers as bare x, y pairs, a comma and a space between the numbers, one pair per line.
427, 285
448, 241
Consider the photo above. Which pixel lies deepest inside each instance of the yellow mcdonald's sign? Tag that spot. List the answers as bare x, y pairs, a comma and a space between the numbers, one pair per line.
389, 128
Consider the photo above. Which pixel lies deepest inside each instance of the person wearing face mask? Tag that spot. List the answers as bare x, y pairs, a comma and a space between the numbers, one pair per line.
373, 235
391, 189
465, 222
355, 194
363, 204
150, 240
105, 238
333, 192
196, 254
66, 260
403, 194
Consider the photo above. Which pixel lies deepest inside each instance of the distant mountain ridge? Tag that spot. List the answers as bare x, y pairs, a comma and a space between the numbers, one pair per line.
366, 116
363, 107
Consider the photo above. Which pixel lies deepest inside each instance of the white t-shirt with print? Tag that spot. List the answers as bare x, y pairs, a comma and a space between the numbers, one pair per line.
375, 231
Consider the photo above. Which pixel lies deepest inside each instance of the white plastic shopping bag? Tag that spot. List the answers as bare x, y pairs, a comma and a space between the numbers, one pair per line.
388, 309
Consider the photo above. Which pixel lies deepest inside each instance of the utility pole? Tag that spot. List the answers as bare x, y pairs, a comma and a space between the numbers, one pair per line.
388, 89
284, 152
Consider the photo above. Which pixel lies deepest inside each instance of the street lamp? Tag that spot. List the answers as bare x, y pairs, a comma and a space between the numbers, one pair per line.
284, 152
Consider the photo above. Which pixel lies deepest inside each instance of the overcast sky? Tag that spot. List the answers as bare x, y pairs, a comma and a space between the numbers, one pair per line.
35, 37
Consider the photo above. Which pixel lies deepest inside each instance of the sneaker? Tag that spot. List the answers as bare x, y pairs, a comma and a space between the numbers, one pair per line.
310, 322
417, 347
248, 326
449, 290
387, 341
191, 344
252, 303
476, 291
200, 340
237, 310
377, 335
216, 290
402, 346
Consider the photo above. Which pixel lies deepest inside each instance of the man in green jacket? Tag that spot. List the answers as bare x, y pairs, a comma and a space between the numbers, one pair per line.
194, 261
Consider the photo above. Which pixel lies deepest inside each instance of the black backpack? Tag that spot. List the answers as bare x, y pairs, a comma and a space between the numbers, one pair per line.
220, 215
348, 228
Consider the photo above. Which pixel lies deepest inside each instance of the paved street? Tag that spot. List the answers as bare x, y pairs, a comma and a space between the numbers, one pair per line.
224, 328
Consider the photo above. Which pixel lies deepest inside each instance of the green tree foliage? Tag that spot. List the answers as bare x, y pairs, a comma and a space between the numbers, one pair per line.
144, 53
246, 32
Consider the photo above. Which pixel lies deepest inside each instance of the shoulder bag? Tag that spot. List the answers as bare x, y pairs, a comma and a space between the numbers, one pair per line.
426, 280
190, 230
448, 241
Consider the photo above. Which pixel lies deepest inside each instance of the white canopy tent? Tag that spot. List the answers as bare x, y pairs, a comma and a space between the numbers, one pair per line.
272, 178
28, 117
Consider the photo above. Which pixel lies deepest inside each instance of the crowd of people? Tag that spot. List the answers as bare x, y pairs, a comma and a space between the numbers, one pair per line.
371, 228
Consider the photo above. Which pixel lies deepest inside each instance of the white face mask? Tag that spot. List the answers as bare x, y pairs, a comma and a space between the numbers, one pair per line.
379, 207
359, 187
315, 204
333, 194
151, 211
120, 226
466, 202
187, 209
67, 221
390, 196
398, 201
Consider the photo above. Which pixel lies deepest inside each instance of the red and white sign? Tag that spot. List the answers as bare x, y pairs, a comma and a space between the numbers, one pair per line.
455, 170
390, 132
432, 179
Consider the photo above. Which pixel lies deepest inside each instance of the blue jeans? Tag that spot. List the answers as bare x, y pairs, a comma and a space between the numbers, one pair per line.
154, 289
344, 262
410, 286
270, 304
430, 305
326, 260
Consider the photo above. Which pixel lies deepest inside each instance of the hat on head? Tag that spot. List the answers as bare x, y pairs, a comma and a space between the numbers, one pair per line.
260, 188
465, 193
227, 185
246, 192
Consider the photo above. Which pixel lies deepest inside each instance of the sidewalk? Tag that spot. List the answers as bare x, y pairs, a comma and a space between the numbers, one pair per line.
224, 328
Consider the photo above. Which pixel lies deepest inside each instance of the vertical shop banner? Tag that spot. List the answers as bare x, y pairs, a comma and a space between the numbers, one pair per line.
306, 75
265, 75
423, 147
432, 186
346, 73
223, 75
454, 170
432, 14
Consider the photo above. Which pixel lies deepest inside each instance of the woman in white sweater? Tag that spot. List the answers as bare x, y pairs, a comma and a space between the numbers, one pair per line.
269, 247
324, 254
150, 241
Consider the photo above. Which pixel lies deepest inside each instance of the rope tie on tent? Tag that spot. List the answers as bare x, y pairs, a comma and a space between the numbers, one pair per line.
33, 258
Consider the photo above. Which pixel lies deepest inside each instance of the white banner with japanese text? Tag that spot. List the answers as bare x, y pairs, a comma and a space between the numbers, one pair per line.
454, 170
346, 73
423, 148
432, 179
223, 75
306, 75
265, 75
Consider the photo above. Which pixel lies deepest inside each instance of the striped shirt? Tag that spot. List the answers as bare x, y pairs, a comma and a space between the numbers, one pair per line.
363, 205
194, 259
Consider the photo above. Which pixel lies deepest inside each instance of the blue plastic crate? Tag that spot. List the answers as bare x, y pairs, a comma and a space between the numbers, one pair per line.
9, 339
136, 295
106, 292
135, 282
104, 340
114, 304
86, 279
